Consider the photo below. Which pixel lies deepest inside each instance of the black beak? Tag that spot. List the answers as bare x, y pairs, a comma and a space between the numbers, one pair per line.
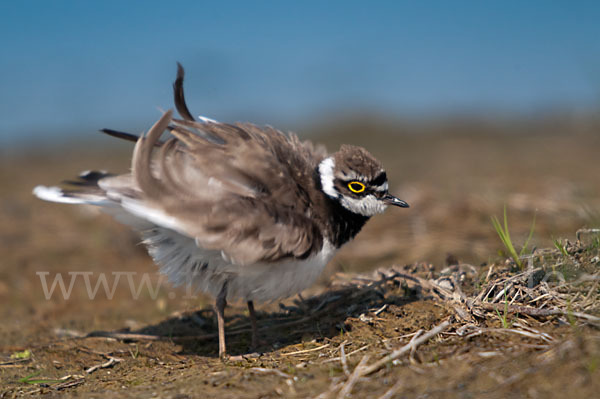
391, 200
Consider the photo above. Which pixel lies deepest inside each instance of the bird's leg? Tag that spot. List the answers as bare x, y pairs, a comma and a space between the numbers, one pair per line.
253, 324
220, 309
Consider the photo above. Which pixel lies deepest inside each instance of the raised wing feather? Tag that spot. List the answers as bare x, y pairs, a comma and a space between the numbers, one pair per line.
237, 188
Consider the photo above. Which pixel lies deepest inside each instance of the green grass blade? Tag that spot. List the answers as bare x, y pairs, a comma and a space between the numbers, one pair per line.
504, 234
30, 380
26, 379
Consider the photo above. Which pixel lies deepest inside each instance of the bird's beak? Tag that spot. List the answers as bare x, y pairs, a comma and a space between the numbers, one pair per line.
391, 200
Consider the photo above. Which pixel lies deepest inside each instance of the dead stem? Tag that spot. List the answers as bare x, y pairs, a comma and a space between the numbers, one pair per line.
406, 348
343, 359
306, 350
356, 374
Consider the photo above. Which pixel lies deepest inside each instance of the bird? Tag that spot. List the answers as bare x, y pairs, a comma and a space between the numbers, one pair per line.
235, 210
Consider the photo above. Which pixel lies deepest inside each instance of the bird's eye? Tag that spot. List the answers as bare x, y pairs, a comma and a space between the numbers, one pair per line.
356, 187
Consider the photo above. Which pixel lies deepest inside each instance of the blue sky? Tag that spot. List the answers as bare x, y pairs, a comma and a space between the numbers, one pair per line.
71, 67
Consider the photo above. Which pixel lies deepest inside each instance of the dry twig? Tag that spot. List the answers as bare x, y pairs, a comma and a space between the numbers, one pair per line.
343, 359
356, 374
111, 362
269, 371
306, 350
406, 348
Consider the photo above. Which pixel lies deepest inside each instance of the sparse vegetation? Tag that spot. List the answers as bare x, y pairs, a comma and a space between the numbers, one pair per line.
504, 234
30, 379
26, 354
558, 244
504, 316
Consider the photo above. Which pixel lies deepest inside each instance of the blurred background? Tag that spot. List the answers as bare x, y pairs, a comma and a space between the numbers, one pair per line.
472, 106
71, 67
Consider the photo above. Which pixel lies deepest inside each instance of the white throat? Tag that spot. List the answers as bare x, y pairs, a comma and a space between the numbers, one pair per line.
367, 206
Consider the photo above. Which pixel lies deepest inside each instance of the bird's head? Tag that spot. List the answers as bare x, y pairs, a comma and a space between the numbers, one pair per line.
357, 180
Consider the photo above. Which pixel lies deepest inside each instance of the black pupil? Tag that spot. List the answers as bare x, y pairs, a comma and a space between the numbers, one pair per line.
356, 186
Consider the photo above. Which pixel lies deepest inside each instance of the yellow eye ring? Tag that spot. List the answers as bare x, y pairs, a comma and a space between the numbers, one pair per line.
356, 187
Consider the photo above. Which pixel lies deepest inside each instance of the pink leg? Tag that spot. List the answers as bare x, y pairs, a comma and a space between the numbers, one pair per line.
220, 305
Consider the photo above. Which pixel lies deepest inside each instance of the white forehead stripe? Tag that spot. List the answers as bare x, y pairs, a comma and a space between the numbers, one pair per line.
351, 175
383, 188
326, 172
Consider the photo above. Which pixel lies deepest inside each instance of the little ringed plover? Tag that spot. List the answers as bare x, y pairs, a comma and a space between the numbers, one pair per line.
236, 210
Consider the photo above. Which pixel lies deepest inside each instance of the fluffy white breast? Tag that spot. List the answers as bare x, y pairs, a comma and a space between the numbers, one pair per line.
206, 270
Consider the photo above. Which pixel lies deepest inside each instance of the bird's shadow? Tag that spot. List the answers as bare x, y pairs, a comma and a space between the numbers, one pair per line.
317, 317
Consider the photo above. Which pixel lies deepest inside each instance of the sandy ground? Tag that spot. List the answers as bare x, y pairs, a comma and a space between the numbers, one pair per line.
454, 185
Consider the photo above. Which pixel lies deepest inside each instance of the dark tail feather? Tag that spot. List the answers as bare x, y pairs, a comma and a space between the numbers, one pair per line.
179, 97
120, 135
89, 178
127, 136
179, 104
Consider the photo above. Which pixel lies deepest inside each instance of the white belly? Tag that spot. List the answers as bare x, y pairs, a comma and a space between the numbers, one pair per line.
206, 270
